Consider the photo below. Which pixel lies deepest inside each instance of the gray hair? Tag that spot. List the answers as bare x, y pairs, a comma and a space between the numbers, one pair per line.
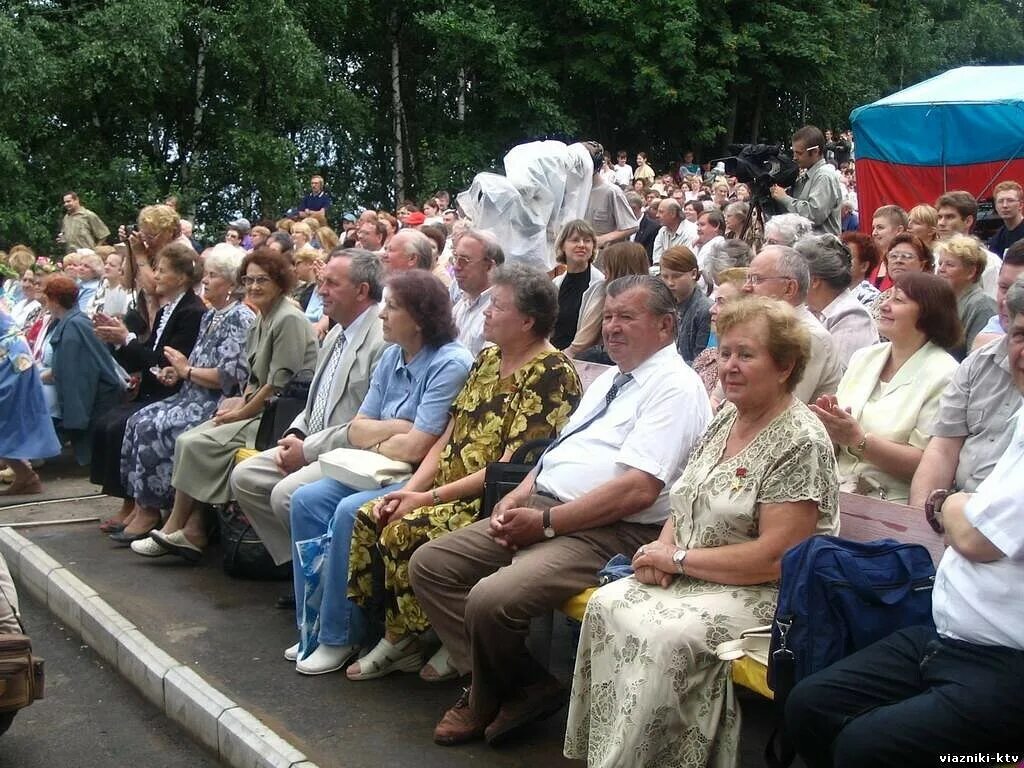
634, 199
827, 258
660, 300
1015, 298
791, 264
533, 293
224, 260
492, 248
738, 208
364, 267
727, 254
788, 228
417, 244
671, 205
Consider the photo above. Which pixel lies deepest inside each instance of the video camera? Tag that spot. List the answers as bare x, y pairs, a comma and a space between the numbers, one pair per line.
760, 166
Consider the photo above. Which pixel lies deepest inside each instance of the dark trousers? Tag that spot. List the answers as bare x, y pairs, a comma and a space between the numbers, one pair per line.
907, 699
107, 436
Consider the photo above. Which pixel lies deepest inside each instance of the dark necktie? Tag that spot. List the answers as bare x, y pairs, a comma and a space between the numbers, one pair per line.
618, 383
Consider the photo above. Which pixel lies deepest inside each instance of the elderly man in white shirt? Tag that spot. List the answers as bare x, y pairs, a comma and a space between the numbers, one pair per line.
675, 229
600, 489
954, 688
779, 272
476, 255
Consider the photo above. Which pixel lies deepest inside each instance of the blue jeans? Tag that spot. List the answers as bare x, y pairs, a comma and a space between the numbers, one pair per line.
342, 622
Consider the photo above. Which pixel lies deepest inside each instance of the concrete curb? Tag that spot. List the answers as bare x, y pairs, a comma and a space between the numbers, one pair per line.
238, 737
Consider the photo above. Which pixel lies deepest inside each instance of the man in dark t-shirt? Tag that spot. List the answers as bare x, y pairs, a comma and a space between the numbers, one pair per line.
1007, 197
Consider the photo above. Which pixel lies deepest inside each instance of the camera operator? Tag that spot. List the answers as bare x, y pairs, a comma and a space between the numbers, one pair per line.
817, 194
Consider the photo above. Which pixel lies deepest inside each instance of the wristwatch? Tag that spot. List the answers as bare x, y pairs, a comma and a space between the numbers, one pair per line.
858, 449
678, 557
549, 532
933, 508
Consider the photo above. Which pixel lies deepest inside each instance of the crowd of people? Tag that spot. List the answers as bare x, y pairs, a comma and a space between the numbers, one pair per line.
747, 382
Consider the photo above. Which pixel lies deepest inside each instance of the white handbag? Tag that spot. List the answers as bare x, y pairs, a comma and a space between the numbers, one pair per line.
363, 470
752, 642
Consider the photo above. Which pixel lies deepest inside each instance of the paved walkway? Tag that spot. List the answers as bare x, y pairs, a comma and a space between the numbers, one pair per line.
230, 634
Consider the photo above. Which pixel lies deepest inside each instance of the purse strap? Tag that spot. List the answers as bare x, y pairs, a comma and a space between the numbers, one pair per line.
14, 611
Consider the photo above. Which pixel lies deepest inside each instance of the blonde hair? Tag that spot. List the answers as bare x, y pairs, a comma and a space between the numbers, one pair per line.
284, 225
161, 219
301, 228
788, 342
304, 254
734, 276
968, 250
328, 238
21, 258
923, 214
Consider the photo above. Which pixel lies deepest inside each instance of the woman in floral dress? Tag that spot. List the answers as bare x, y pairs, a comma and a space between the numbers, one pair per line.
520, 389
648, 688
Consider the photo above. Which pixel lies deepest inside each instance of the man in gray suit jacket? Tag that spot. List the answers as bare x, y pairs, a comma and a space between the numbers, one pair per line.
352, 286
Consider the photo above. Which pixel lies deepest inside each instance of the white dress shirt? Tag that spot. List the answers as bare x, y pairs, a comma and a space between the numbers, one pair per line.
980, 602
652, 425
468, 314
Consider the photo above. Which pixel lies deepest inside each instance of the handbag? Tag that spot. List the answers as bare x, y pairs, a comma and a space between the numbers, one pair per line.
22, 678
501, 477
363, 470
280, 411
245, 556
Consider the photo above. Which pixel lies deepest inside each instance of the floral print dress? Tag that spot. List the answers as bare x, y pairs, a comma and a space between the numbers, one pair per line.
648, 689
147, 452
492, 415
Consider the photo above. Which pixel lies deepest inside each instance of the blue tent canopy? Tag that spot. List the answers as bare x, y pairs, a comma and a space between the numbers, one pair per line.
964, 116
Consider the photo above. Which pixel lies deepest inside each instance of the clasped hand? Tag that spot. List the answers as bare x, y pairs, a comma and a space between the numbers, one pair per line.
228, 410
398, 504
290, 456
516, 527
652, 564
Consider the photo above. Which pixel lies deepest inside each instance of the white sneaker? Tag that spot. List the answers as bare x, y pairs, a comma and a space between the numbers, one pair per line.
292, 653
326, 658
148, 548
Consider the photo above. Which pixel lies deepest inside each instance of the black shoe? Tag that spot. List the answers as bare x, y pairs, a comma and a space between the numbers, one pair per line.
286, 602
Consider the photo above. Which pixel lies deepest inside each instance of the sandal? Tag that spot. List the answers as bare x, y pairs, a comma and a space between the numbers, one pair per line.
385, 658
439, 668
112, 525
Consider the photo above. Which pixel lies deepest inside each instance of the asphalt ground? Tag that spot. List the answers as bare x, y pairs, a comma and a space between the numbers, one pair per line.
91, 717
229, 632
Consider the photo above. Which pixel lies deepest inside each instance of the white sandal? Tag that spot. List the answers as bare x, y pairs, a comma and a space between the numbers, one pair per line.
385, 658
439, 668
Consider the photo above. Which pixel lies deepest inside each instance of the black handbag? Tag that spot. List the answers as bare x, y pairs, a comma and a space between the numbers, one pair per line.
280, 411
500, 477
245, 557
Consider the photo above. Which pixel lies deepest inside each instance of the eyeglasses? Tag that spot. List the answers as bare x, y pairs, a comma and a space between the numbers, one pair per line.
758, 279
465, 261
902, 256
255, 280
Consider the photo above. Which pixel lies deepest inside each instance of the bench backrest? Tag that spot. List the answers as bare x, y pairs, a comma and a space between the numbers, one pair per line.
588, 371
862, 518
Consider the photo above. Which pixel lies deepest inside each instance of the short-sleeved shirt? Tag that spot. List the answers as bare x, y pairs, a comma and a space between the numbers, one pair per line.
83, 229
420, 391
608, 211
978, 404
651, 425
980, 602
311, 202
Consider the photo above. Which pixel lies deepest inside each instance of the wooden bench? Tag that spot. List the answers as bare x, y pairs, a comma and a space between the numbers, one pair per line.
860, 519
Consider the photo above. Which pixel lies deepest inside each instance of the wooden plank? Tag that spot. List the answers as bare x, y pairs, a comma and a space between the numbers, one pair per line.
862, 518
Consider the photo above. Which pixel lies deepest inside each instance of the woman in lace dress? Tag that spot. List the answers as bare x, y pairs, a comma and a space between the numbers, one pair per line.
648, 688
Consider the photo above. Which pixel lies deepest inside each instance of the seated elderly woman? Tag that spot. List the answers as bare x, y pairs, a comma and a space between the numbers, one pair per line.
864, 259
961, 262
882, 414
906, 254
278, 345
786, 229
86, 383
723, 255
26, 431
520, 389
216, 368
88, 269
580, 290
177, 326
402, 416
648, 687
735, 217
25, 311
693, 327
728, 287
829, 262
20, 260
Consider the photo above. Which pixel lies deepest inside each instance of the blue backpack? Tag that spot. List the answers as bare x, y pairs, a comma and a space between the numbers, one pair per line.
838, 596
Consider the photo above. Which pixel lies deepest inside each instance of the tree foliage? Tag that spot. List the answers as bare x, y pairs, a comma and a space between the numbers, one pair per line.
232, 104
